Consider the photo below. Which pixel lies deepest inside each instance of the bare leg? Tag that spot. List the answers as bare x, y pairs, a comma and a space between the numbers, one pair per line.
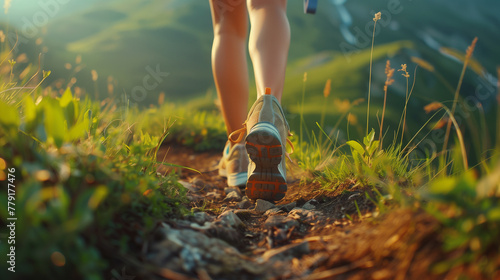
268, 44
229, 63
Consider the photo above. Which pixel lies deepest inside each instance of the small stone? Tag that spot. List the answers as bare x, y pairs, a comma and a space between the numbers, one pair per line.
310, 205
273, 211
304, 215
189, 186
229, 218
263, 205
228, 190
245, 203
288, 207
197, 181
243, 213
280, 221
214, 195
232, 196
202, 217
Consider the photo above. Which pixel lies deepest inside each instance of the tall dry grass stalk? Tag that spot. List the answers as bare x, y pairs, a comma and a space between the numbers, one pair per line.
468, 56
389, 73
407, 98
498, 109
6, 6
375, 19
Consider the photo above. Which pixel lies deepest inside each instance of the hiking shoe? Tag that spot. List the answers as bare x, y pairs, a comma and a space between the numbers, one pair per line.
233, 165
267, 131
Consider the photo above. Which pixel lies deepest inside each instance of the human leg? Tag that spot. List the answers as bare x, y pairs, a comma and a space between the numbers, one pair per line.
267, 129
229, 64
269, 42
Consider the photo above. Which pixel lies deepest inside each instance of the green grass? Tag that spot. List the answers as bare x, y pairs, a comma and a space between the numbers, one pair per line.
86, 187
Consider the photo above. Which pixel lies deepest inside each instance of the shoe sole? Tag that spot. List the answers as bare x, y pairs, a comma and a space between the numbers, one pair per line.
265, 149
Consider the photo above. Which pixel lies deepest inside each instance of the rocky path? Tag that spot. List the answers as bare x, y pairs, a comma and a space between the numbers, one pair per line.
310, 234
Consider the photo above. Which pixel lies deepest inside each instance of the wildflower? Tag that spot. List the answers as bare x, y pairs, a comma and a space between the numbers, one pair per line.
358, 101
352, 119
6, 6
470, 49
2, 36
78, 59
440, 124
326, 91
422, 63
342, 105
305, 77
389, 72
22, 58
45, 73
377, 16
433, 107
161, 98
403, 69
94, 75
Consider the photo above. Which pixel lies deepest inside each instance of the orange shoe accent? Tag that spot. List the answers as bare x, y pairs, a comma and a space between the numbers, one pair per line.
268, 91
268, 147
275, 191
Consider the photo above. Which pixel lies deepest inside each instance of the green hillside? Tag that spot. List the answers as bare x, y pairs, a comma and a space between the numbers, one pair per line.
121, 39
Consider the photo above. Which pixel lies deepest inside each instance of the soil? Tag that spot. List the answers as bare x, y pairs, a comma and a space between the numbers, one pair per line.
318, 233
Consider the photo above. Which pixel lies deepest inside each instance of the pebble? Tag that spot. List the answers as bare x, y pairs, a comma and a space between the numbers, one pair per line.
280, 221
232, 196
202, 217
273, 211
304, 215
189, 186
263, 205
243, 213
215, 195
229, 218
228, 190
245, 203
288, 207
310, 205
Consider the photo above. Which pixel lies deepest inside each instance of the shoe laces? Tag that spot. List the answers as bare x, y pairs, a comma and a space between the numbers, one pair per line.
240, 132
287, 154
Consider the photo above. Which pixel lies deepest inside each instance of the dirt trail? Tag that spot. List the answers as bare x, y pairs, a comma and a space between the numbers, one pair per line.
307, 235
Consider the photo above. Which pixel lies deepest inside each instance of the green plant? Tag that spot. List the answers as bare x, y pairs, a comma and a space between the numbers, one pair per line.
469, 210
364, 155
86, 185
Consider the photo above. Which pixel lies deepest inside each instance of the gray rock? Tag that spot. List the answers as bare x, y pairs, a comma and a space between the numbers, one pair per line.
309, 206
232, 196
243, 213
304, 215
188, 251
288, 207
213, 195
228, 190
263, 205
245, 203
280, 221
189, 186
229, 218
273, 211
202, 217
